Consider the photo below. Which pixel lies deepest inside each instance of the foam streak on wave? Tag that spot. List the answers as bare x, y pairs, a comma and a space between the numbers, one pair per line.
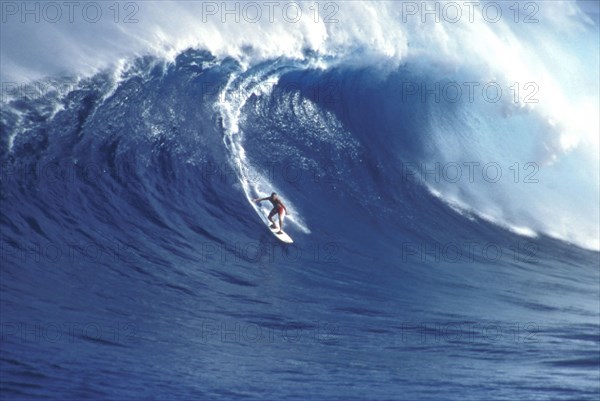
237, 91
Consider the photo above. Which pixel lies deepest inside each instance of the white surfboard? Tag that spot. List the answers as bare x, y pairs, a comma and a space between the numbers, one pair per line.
283, 237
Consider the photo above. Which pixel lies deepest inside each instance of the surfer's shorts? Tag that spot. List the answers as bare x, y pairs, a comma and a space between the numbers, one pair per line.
278, 210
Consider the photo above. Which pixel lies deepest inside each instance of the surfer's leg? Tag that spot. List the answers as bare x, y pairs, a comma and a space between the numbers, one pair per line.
280, 221
271, 218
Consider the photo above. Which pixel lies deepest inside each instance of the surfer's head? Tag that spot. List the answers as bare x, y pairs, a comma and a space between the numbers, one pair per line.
273, 194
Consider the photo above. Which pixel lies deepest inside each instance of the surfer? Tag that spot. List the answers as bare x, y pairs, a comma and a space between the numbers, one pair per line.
278, 207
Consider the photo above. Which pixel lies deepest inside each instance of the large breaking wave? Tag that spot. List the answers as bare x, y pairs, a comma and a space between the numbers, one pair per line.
127, 192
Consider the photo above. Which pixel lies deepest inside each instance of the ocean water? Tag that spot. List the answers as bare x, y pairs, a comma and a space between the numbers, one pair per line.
446, 235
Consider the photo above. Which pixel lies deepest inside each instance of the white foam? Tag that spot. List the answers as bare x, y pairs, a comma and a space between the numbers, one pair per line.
466, 211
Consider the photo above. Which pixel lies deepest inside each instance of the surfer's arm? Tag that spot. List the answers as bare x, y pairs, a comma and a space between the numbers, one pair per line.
260, 199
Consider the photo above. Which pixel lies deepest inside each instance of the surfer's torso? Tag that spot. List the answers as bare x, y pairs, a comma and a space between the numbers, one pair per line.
276, 202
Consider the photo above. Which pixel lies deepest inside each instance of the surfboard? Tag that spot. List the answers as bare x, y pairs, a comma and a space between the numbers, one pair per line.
283, 237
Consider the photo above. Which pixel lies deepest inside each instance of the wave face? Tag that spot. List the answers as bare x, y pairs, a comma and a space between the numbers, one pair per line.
443, 248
